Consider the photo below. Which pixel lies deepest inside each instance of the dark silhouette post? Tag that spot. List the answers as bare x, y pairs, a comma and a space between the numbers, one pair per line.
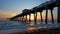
26, 18
52, 16
46, 16
29, 17
59, 14
35, 17
22, 18
41, 16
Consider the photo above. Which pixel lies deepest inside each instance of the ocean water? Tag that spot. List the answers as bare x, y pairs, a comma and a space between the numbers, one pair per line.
8, 26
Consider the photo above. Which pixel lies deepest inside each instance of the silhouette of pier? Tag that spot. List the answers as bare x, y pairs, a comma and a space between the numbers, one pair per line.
49, 5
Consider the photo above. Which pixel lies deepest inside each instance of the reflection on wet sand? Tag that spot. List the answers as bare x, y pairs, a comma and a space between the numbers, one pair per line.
55, 30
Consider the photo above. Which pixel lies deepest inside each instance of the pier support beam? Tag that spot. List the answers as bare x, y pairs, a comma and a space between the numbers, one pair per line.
35, 17
22, 18
59, 14
41, 16
46, 16
52, 16
26, 18
29, 17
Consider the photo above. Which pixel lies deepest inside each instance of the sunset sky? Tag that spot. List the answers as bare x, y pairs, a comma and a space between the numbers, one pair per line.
10, 8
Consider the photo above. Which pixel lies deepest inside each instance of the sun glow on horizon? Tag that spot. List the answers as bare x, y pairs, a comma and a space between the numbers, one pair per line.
6, 14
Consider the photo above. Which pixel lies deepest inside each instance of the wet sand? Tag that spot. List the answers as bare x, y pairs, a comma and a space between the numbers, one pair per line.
55, 30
